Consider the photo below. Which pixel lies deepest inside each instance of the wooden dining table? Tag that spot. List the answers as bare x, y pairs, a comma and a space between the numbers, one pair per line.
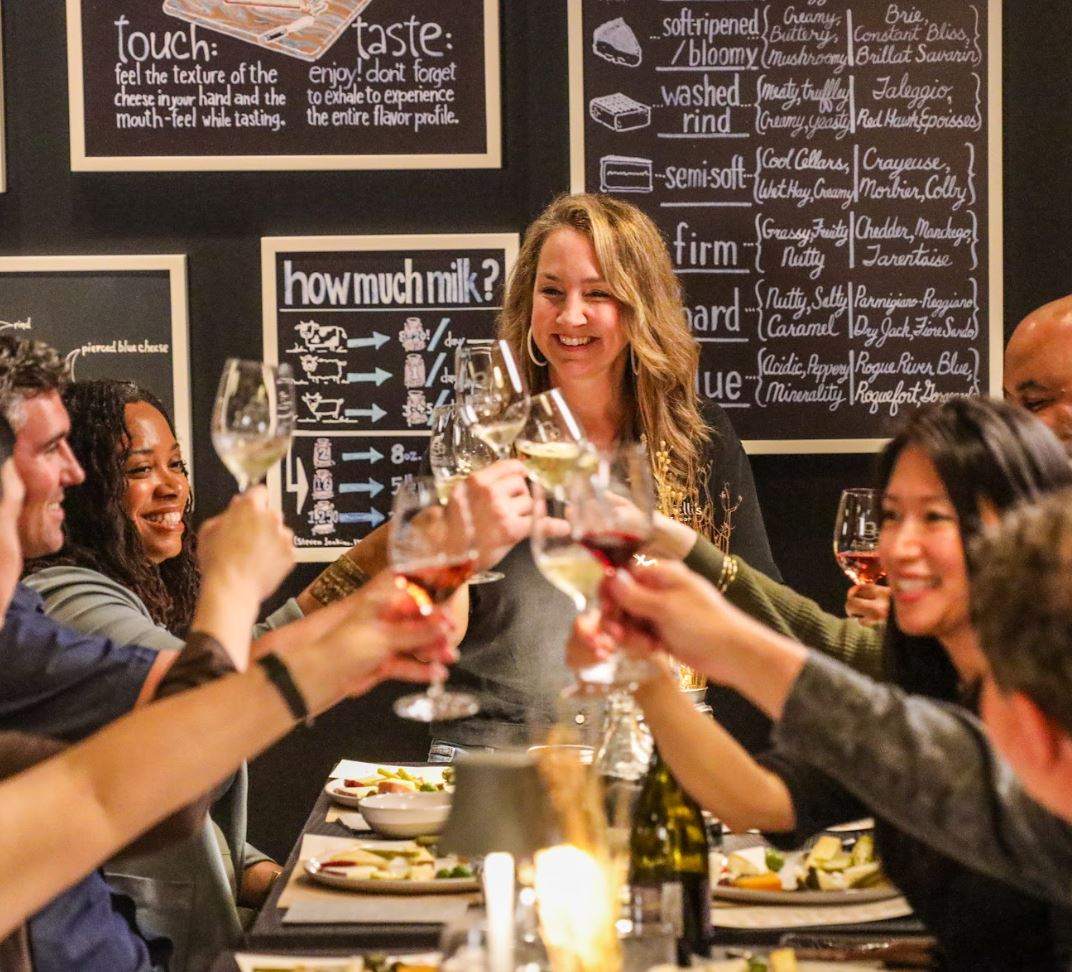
270, 934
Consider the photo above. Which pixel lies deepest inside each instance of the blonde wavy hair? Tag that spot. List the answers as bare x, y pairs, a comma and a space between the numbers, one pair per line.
660, 394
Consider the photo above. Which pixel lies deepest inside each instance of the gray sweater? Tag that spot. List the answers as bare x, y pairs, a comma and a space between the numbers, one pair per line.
927, 769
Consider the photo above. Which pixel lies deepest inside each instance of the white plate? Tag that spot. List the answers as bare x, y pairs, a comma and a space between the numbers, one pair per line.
435, 886
805, 897
333, 787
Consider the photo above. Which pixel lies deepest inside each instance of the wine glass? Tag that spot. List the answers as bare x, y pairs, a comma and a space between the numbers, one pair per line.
611, 514
558, 553
490, 393
856, 536
454, 452
253, 418
431, 550
551, 443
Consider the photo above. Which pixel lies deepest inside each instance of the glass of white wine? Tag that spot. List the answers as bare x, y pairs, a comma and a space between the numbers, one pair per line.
454, 452
490, 393
551, 443
559, 554
253, 418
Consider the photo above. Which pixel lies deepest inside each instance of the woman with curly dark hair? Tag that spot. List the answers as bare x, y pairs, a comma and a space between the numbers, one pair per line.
127, 571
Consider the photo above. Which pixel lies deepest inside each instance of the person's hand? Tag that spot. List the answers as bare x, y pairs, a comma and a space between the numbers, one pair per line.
247, 544
378, 633
589, 644
500, 505
682, 614
868, 603
669, 540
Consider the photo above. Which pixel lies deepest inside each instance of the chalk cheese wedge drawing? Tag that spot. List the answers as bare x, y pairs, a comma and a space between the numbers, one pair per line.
304, 29
615, 41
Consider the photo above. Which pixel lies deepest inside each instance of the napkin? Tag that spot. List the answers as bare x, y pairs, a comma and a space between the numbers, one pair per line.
348, 818
732, 915
387, 909
248, 962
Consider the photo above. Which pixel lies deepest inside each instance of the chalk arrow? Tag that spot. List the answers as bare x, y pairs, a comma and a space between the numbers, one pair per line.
372, 518
375, 413
372, 487
379, 376
296, 481
377, 341
372, 456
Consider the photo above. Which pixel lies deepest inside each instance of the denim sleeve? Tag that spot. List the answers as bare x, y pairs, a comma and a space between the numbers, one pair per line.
57, 682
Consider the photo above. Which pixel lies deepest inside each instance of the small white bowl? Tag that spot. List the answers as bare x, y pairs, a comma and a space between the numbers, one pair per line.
406, 814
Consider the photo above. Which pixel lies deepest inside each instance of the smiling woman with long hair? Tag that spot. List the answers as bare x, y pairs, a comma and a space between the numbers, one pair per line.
593, 308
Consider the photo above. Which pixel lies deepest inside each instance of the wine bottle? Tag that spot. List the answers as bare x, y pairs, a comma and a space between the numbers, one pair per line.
668, 872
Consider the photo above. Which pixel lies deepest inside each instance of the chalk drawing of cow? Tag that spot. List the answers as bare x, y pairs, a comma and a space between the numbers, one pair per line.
323, 409
319, 369
322, 337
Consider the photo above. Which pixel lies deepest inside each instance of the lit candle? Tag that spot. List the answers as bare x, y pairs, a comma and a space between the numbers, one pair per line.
499, 903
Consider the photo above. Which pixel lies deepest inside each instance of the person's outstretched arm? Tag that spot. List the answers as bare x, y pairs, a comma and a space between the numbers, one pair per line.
925, 767
141, 768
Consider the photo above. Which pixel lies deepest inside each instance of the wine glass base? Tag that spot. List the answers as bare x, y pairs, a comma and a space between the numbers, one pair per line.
486, 577
615, 674
422, 707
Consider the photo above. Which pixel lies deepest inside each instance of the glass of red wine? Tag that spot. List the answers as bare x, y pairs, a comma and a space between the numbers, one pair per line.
611, 515
432, 552
856, 536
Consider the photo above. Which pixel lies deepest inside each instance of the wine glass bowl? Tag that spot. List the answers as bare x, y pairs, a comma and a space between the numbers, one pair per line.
856, 528
253, 418
551, 443
490, 393
559, 555
432, 553
454, 452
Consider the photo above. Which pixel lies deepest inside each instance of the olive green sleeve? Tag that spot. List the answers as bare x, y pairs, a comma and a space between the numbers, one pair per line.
787, 612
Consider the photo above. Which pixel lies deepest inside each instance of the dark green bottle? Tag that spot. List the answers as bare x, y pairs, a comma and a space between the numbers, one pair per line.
668, 872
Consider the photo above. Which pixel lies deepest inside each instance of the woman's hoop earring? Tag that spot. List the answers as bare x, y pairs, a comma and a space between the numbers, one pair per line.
632, 360
530, 346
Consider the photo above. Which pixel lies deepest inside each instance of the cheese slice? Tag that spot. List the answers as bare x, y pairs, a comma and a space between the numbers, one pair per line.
748, 862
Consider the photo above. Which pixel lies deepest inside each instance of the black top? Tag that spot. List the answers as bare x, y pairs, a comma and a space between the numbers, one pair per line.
513, 653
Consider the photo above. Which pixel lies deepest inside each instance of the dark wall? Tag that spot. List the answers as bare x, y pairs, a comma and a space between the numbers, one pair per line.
218, 219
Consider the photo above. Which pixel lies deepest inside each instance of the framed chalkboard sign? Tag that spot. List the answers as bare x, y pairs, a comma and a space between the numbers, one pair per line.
112, 316
369, 325
828, 180
291, 84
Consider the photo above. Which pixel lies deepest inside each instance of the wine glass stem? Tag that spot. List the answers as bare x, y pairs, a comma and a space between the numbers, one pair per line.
435, 689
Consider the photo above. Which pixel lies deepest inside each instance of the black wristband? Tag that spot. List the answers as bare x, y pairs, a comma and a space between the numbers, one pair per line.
279, 675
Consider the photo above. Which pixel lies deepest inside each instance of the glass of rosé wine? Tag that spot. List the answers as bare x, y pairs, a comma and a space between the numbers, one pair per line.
432, 553
856, 535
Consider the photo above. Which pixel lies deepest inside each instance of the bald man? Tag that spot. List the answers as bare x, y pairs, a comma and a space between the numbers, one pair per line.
1038, 366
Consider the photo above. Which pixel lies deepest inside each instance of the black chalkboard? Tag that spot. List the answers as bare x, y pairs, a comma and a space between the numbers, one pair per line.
369, 326
296, 84
821, 174
112, 317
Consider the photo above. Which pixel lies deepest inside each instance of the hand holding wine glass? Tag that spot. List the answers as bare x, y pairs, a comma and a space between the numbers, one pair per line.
856, 549
253, 418
856, 536
432, 553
